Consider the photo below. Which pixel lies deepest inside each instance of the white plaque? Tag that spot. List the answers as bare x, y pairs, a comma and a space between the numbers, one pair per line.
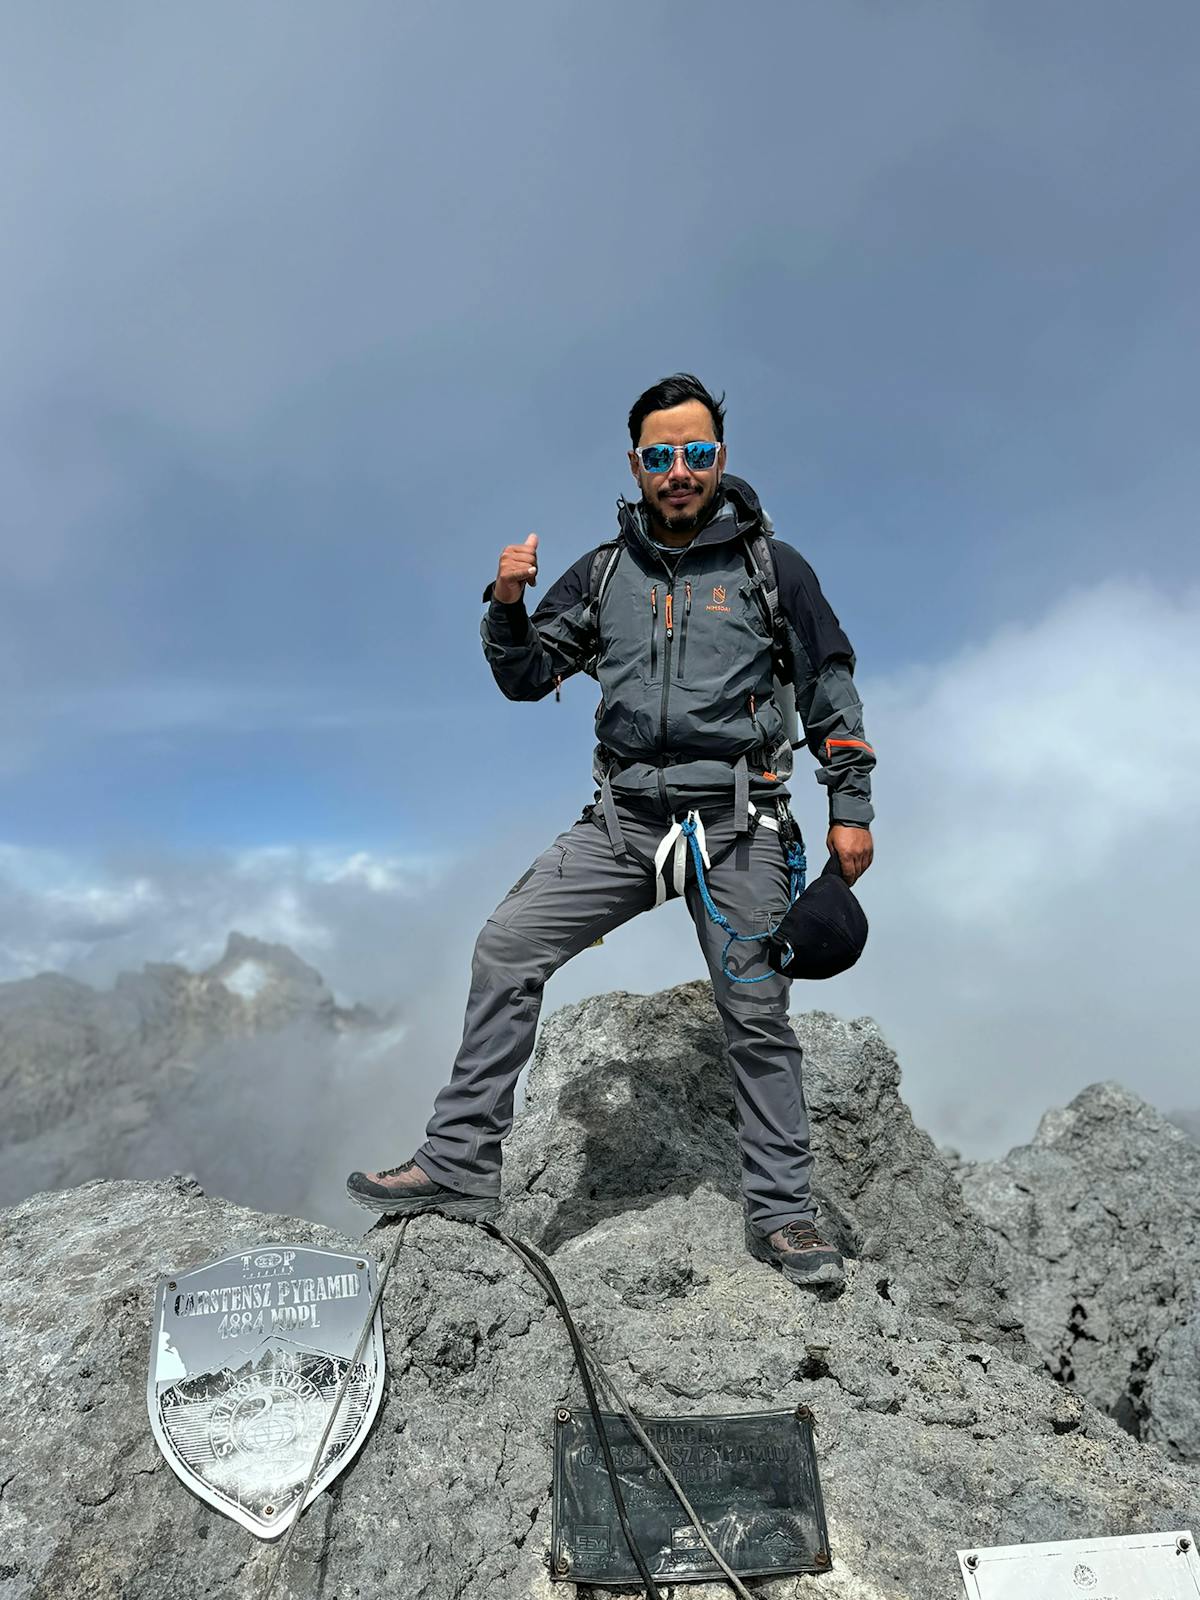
248, 1357
1137, 1566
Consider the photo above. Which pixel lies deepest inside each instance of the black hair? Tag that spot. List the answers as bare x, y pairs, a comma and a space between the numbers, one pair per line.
673, 391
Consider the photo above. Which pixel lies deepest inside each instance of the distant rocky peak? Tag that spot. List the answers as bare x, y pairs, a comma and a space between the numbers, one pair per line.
270, 979
89, 1078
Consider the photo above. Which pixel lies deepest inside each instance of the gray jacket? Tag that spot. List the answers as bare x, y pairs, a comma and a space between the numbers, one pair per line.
682, 654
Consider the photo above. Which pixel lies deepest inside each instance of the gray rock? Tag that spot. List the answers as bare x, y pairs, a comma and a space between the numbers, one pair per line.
936, 1429
94, 1083
628, 1099
927, 1441
1097, 1225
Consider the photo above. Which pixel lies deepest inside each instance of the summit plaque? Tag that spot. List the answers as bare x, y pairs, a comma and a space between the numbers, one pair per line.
248, 1354
1136, 1566
752, 1478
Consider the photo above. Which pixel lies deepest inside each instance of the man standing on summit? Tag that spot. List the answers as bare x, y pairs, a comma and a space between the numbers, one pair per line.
672, 623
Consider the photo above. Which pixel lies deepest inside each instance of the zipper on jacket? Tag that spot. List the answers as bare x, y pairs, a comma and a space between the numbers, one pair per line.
854, 744
687, 611
666, 689
653, 632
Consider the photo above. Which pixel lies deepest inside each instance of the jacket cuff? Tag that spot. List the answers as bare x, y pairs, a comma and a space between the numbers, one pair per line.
848, 813
507, 624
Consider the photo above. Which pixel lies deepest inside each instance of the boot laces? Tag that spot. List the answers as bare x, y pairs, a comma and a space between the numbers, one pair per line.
803, 1236
394, 1172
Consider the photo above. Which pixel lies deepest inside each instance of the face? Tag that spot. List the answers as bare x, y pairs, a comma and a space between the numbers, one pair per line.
677, 499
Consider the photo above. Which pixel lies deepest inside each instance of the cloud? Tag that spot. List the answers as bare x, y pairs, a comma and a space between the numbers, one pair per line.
1056, 743
93, 921
1032, 930
1032, 903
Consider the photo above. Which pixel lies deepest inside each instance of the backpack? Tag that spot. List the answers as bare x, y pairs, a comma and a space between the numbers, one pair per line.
760, 563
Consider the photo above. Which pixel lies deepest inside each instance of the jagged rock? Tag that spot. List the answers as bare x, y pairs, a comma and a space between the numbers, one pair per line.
1097, 1225
927, 1442
936, 1431
85, 1075
629, 1099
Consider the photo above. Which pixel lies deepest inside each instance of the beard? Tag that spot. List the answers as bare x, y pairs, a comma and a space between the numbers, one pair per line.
661, 515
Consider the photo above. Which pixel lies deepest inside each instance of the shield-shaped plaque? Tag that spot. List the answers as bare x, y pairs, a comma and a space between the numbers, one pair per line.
1135, 1566
247, 1358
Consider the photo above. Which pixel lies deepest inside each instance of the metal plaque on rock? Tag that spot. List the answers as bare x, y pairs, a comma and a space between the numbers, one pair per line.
247, 1356
1137, 1566
752, 1479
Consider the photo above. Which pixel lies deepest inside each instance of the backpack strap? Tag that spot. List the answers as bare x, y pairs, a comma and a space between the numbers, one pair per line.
600, 571
761, 562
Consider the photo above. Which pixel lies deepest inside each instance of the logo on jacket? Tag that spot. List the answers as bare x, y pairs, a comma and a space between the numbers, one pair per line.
718, 599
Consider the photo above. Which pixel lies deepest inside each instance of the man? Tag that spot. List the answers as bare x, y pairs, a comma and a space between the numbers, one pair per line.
688, 727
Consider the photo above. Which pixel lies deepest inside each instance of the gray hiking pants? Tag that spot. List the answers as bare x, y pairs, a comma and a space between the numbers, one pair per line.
575, 892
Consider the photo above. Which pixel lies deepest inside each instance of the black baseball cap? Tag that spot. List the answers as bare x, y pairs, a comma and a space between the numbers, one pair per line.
824, 931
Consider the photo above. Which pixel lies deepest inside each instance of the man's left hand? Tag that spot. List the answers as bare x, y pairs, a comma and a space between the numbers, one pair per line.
854, 848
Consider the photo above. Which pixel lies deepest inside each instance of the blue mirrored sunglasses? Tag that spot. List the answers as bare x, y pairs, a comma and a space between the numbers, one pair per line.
698, 456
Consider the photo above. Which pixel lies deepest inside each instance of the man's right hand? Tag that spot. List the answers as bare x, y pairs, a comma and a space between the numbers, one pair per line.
518, 566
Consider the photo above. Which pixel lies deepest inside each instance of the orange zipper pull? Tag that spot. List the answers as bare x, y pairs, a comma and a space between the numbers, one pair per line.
668, 614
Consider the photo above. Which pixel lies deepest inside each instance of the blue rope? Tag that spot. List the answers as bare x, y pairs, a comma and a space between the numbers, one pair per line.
797, 869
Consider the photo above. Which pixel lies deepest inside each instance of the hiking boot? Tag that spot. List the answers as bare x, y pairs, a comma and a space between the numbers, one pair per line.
799, 1252
407, 1191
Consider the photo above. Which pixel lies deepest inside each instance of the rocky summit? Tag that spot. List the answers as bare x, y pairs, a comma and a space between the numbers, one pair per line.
1096, 1225
938, 1427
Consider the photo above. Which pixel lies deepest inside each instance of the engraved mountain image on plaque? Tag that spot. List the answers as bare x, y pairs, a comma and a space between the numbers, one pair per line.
249, 1352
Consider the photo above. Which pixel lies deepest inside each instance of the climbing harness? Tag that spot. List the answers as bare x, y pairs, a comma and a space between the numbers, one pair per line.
689, 833
590, 1369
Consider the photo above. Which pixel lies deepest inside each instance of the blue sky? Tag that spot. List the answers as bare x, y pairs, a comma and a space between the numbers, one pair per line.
308, 310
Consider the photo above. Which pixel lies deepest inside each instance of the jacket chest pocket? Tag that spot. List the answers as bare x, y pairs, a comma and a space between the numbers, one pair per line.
735, 633
672, 622
660, 616
698, 629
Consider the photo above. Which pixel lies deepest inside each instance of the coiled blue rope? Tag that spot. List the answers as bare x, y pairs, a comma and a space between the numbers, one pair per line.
797, 870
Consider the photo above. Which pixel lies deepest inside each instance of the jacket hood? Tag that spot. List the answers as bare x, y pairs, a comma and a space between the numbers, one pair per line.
736, 509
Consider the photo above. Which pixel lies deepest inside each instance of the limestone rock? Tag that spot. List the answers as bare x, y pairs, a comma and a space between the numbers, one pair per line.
936, 1428
629, 1099
86, 1075
927, 1442
1097, 1225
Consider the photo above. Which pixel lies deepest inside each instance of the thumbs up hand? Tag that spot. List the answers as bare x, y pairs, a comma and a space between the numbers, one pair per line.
518, 567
